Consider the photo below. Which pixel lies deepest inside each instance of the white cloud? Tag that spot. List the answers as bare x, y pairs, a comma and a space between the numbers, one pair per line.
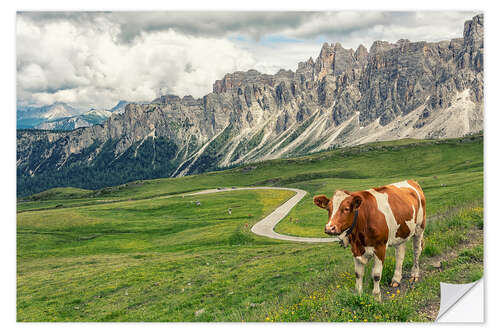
87, 66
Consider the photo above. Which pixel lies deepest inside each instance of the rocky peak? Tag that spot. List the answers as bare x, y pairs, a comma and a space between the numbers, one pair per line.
285, 73
305, 70
472, 53
190, 101
344, 59
325, 50
306, 65
338, 47
402, 42
235, 80
167, 99
324, 63
380, 46
361, 54
473, 33
335, 59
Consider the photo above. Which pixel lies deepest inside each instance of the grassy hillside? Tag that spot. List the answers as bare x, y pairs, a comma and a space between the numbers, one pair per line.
366, 164
139, 252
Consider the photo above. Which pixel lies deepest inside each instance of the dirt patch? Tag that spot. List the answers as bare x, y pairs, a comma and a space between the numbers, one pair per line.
430, 311
434, 265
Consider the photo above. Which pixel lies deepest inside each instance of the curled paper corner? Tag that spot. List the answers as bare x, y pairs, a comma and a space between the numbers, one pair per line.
462, 303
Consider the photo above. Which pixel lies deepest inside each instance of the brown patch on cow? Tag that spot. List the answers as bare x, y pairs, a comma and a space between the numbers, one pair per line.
404, 205
380, 252
371, 228
321, 201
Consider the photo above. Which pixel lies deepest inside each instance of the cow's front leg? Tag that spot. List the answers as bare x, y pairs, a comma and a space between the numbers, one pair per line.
377, 270
359, 270
400, 257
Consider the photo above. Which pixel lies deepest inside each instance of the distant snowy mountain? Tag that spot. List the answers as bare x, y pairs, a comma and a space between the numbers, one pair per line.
61, 116
87, 119
30, 117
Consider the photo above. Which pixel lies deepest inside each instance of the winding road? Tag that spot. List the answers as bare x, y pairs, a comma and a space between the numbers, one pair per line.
265, 227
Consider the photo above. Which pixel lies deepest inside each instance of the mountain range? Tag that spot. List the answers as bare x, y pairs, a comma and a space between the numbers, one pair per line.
62, 116
30, 116
342, 98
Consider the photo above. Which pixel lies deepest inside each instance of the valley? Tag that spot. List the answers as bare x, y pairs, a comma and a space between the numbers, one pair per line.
146, 251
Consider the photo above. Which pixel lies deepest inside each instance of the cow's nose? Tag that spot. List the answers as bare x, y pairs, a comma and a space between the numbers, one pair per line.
332, 230
328, 230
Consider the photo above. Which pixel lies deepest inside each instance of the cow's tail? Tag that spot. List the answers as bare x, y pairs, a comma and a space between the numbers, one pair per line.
421, 195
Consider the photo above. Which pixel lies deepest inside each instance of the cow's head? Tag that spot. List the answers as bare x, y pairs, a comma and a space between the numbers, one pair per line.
340, 210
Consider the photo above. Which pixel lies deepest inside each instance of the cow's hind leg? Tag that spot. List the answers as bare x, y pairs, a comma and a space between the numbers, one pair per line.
359, 269
418, 240
398, 272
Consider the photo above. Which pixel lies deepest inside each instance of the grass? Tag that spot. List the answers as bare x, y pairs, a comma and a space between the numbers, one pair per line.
136, 253
129, 252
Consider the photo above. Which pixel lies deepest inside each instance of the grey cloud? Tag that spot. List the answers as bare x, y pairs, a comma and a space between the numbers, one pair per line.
305, 25
209, 24
205, 24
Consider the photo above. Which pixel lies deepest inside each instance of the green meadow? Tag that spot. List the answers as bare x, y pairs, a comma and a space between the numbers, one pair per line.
145, 251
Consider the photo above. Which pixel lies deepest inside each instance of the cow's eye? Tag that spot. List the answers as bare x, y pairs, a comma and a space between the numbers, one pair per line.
346, 209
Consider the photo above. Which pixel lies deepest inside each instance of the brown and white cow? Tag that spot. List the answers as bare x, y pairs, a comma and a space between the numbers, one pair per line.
385, 216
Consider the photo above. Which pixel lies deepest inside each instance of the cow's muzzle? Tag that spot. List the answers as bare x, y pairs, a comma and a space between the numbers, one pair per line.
332, 230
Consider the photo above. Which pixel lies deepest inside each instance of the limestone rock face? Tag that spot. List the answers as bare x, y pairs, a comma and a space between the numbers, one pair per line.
344, 97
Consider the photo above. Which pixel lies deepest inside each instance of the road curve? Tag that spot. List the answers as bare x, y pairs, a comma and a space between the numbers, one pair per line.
265, 227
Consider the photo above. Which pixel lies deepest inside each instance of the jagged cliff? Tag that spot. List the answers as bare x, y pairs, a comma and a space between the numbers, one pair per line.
344, 97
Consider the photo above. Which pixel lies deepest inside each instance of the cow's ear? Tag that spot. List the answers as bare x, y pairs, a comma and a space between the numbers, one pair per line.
321, 201
356, 202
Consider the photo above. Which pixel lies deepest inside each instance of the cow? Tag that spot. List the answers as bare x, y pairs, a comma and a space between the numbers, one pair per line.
371, 220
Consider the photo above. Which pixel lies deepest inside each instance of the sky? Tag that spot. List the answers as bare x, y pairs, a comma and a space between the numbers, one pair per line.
94, 59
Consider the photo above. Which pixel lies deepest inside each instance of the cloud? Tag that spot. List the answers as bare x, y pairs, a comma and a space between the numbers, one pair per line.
296, 24
94, 59
61, 61
203, 24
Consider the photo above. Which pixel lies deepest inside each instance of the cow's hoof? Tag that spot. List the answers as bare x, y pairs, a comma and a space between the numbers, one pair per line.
414, 279
378, 297
395, 284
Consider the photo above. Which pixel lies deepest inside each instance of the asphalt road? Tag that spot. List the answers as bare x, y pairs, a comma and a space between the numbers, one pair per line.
265, 227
